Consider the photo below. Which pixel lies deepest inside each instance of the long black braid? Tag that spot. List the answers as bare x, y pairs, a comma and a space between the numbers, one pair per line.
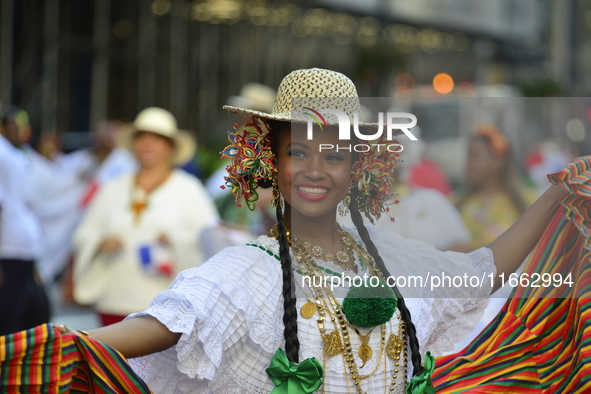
404, 312
290, 314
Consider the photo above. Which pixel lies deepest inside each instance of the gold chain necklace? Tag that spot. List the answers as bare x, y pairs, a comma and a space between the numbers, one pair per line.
365, 352
300, 252
335, 344
344, 258
396, 348
347, 350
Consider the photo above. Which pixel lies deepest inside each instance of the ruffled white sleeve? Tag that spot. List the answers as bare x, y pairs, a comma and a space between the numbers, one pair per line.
223, 309
454, 292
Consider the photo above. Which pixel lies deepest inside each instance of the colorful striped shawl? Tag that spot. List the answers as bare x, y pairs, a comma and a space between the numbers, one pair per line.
41, 360
540, 342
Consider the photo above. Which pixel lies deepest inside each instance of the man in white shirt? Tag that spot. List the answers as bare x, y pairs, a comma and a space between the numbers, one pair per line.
22, 301
62, 188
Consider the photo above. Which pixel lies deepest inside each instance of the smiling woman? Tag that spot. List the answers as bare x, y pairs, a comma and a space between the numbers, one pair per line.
245, 318
245, 322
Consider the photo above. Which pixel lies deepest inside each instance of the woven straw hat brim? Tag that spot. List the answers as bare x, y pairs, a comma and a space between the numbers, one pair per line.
290, 117
184, 143
316, 89
303, 92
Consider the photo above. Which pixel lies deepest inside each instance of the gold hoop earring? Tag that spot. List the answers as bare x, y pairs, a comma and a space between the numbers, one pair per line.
276, 200
344, 205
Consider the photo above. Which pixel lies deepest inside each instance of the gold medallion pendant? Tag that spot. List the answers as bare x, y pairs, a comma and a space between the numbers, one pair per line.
365, 353
308, 310
332, 344
394, 346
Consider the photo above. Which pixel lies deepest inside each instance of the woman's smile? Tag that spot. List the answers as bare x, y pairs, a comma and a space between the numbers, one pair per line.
312, 192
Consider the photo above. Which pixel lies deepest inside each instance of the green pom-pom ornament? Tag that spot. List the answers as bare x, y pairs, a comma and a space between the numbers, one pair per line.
368, 306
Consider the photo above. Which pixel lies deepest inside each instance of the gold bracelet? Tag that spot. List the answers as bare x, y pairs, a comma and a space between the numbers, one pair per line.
85, 333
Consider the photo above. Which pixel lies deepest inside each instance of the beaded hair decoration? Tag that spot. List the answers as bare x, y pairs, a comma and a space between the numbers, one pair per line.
252, 161
372, 175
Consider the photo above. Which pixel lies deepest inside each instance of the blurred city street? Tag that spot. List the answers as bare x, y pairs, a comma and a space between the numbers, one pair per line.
115, 174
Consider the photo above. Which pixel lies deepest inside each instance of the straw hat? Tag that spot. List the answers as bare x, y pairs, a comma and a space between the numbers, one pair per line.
254, 96
160, 121
314, 88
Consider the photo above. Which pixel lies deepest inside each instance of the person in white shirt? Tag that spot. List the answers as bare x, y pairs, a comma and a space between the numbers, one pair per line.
142, 228
21, 241
63, 186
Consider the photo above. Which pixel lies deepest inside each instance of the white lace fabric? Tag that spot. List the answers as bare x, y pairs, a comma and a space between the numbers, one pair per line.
230, 314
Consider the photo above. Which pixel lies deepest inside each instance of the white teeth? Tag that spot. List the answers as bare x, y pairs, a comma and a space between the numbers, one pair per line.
313, 190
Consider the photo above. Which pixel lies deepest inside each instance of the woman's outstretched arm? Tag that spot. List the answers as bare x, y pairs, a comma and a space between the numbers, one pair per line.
135, 337
513, 246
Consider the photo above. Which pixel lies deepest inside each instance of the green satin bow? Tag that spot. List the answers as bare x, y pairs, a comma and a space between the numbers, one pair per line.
292, 378
421, 384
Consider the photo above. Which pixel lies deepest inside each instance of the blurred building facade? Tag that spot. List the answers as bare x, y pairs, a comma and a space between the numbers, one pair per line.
71, 63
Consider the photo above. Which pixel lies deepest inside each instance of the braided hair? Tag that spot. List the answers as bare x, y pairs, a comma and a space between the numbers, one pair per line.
290, 314
404, 312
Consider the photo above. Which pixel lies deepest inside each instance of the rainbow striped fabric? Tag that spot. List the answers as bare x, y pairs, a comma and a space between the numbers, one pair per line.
41, 360
540, 342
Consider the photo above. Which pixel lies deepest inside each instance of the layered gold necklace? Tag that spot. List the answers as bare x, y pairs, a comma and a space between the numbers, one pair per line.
338, 341
343, 258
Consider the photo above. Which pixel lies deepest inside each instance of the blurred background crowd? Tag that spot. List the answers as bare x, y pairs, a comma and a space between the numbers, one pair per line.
112, 124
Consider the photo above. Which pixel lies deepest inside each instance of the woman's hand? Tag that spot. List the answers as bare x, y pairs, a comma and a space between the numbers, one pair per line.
63, 329
110, 246
164, 240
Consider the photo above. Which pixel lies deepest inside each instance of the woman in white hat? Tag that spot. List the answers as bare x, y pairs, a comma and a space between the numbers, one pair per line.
143, 228
248, 321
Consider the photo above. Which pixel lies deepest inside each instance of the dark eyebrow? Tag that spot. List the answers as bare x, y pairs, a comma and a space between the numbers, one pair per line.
299, 144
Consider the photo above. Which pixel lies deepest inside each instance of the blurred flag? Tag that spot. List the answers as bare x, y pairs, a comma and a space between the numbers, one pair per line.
155, 259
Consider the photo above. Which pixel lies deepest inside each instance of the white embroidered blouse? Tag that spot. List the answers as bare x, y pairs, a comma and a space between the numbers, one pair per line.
230, 314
